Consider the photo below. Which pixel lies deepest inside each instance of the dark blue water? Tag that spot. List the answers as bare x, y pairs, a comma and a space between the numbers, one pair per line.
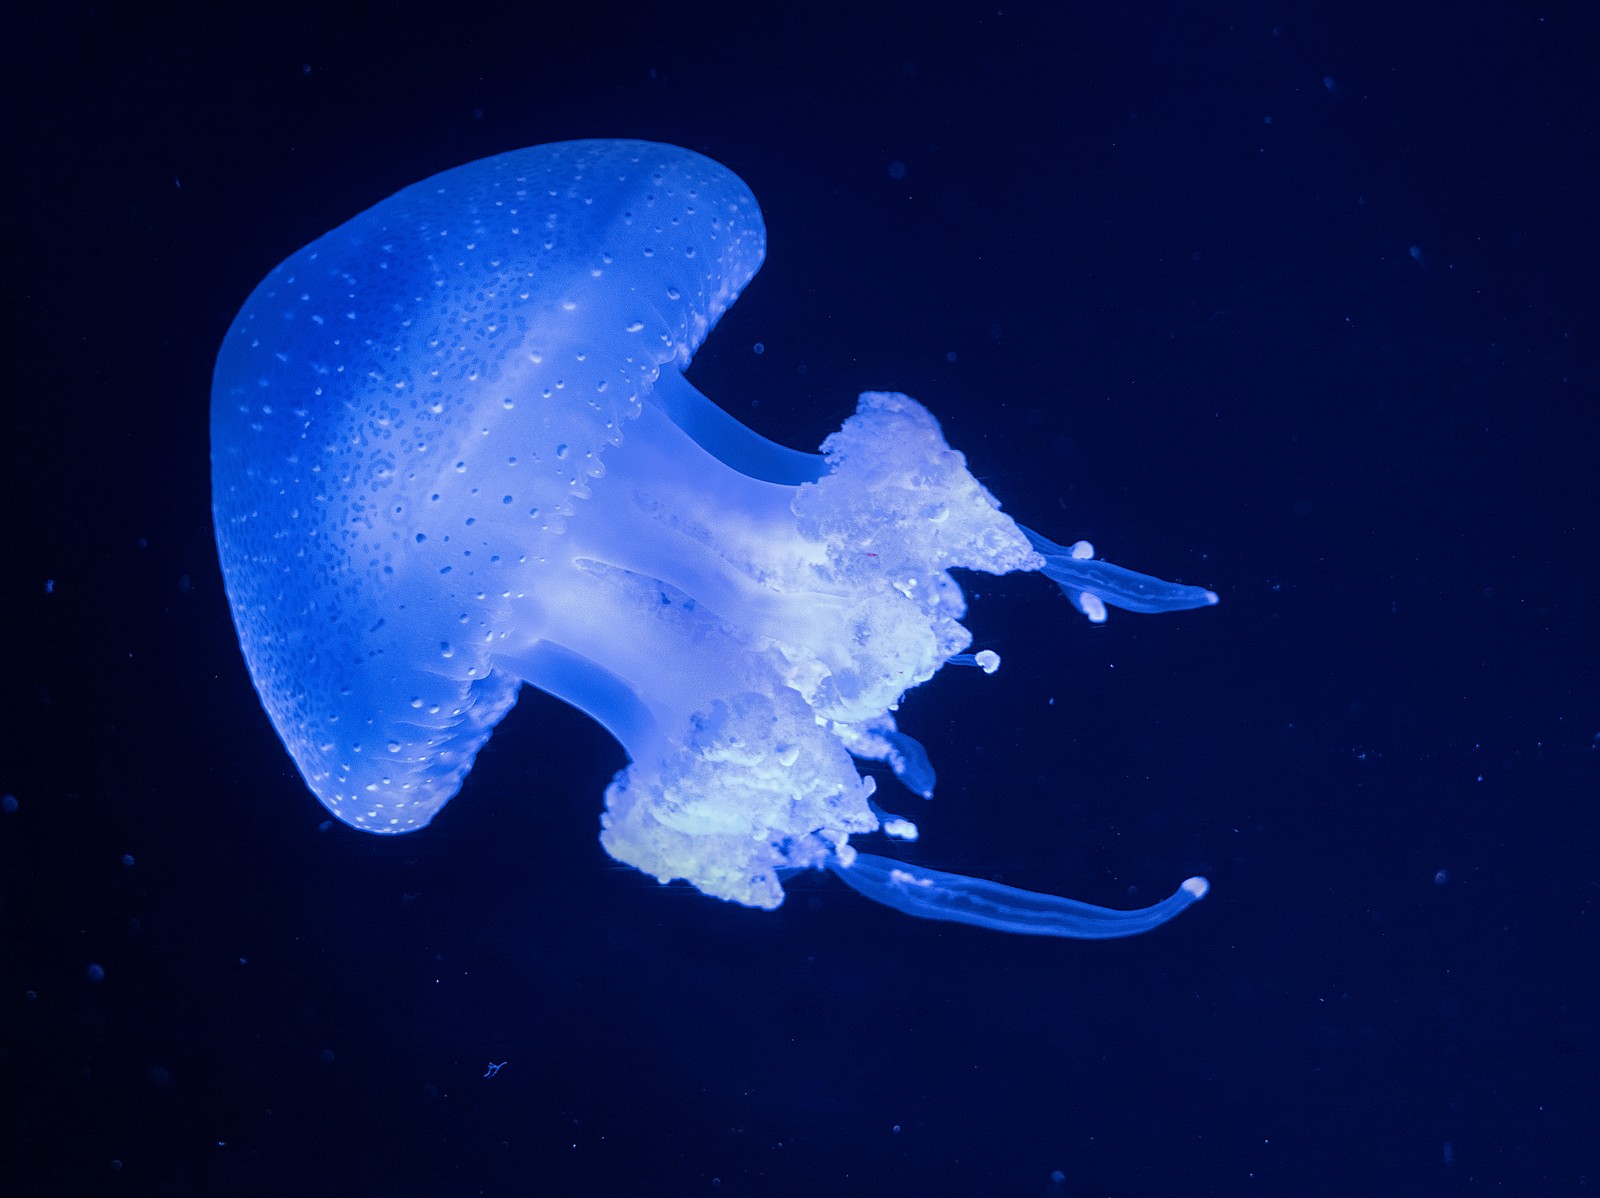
1296, 302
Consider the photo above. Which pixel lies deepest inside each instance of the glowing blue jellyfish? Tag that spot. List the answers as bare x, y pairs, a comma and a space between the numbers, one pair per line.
453, 452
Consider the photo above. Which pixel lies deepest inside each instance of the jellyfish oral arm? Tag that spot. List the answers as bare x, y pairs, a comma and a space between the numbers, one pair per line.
1092, 584
728, 440
742, 637
934, 894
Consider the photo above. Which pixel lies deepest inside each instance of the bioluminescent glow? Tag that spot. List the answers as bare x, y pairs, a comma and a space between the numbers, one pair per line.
454, 452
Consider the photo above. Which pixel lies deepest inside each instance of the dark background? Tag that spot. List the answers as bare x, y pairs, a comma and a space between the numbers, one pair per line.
1297, 301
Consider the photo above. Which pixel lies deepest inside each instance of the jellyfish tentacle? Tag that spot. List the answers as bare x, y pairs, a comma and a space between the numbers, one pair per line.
934, 894
896, 827
728, 440
1091, 584
594, 690
910, 763
986, 660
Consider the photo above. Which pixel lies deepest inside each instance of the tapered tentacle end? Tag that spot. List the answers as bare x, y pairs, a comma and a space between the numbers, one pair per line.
1093, 584
934, 894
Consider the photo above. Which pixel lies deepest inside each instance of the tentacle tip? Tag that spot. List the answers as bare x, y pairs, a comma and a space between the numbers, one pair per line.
1195, 888
1212, 599
898, 828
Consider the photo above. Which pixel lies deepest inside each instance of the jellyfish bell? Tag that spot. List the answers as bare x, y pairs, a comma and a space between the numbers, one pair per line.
454, 452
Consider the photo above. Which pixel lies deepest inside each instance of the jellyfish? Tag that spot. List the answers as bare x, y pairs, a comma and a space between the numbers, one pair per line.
454, 453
